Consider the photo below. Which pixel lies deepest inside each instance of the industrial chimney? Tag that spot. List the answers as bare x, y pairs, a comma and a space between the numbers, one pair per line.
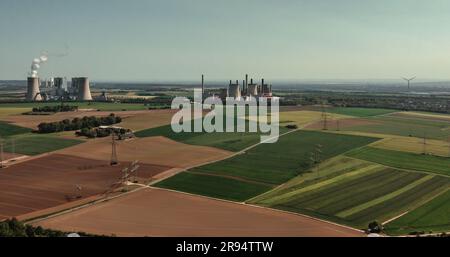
82, 84
33, 93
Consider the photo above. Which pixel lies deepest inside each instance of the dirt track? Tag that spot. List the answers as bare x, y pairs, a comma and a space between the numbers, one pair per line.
157, 212
51, 180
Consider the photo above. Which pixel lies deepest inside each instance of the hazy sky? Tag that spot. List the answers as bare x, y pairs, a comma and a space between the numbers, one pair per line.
179, 40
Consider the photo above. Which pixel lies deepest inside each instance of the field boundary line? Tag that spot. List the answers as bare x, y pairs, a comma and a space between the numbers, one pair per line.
258, 206
230, 177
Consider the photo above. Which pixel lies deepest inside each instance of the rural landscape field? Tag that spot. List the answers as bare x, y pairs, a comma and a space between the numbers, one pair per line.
224, 128
365, 169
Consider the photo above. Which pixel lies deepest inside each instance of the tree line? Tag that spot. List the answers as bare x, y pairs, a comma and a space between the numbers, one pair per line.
15, 228
78, 123
56, 108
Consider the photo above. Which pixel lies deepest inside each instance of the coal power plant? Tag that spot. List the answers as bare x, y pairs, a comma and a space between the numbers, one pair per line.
58, 88
240, 91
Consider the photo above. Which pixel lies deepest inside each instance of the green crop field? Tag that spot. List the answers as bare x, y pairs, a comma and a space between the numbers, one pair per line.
354, 192
403, 160
360, 112
430, 217
213, 186
31, 144
231, 141
403, 126
7, 130
102, 106
270, 164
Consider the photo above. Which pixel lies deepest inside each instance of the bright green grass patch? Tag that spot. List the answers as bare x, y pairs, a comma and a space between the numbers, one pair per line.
7, 130
403, 160
360, 112
278, 162
218, 187
30, 144
430, 217
102, 106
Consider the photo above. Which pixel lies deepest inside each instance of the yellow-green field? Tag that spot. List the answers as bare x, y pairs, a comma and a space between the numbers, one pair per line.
415, 145
301, 118
5, 112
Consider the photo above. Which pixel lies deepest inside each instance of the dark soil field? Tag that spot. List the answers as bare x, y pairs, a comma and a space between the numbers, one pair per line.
53, 180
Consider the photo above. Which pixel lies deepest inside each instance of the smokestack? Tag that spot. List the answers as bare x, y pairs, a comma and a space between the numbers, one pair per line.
246, 83
33, 93
84, 92
251, 81
203, 87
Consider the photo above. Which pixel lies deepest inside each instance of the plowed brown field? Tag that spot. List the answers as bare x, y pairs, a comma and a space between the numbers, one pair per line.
157, 212
52, 180
151, 150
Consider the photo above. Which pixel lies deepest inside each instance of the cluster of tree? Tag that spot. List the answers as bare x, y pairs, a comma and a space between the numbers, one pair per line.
159, 102
99, 132
375, 227
77, 123
15, 228
56, 108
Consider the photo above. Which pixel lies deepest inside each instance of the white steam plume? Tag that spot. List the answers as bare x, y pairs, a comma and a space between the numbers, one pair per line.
36, 64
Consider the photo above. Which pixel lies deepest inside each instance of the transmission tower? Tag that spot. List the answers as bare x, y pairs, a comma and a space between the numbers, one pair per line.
449, 146
324, 118
114, 160
13, 147
424, 150
316, 156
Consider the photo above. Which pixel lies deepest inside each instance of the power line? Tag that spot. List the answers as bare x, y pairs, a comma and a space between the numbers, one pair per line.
114, 160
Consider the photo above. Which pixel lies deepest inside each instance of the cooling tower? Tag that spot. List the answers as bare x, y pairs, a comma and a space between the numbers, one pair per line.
84, 92
252, 89
58, 82
234, 91
33, 93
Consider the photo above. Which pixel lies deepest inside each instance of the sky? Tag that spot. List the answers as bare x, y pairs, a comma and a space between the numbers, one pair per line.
178, 40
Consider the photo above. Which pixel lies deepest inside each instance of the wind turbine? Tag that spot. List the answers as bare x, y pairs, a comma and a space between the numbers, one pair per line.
409, 80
